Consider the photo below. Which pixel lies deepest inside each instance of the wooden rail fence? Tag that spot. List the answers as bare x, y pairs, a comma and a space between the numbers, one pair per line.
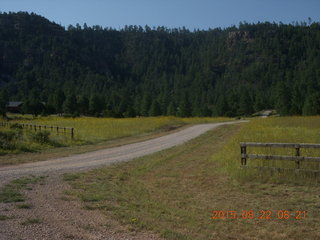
36, 127
297, 158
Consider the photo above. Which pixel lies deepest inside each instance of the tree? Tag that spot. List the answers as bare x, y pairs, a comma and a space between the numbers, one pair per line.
33, 103
58, 100
83, 105
96, 104
222, 107
245, 103
70, 105
155, 109
283, 101
171, 110
4, 99
184, 109
312, 105
145, 104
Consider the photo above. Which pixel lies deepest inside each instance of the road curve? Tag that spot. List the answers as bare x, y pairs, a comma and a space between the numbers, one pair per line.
107, 156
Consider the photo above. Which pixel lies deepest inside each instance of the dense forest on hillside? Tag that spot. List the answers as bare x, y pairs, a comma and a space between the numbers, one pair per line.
143, 71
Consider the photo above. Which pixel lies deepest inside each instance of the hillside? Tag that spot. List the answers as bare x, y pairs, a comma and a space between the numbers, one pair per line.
158, 71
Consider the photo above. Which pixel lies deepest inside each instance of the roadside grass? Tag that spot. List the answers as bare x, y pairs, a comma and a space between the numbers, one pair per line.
90, 134
31, 221
174, 193
279, 130
4, 217
24, 206
11, 192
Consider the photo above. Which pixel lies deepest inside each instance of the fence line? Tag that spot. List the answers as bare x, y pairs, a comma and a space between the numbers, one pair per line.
297, 158
37, 127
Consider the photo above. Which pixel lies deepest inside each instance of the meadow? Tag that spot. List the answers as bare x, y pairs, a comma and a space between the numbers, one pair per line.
88, 130
176, 192
273, 130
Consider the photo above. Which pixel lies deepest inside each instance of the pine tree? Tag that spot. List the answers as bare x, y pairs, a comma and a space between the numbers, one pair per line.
245, 103
155, 109
171, 110
58, 100
96, 104
70, 105
283, 104
83, 105
312, 105
184, 109
4, 99
145, 104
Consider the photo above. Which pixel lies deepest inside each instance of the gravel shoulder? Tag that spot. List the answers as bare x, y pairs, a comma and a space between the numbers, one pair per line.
53, 215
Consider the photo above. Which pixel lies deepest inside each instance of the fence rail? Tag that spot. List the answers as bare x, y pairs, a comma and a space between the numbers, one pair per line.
297, 158
36, 127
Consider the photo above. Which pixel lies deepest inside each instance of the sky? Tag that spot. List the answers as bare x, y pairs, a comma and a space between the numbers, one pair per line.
192, 14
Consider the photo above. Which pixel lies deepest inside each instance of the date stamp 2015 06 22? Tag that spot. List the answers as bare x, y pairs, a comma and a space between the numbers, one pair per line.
262, 214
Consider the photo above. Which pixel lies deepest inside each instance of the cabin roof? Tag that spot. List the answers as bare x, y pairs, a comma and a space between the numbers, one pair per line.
14, 104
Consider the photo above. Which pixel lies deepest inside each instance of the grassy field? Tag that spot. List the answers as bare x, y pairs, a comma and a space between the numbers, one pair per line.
279, 130
88, 130
175, 192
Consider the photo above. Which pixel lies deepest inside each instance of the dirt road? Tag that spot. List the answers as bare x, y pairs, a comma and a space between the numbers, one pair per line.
59, 216
106, 156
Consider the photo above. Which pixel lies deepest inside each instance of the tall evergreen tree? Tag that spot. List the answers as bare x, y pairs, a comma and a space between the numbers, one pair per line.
155, 109
70, 105
283, 104
4, 99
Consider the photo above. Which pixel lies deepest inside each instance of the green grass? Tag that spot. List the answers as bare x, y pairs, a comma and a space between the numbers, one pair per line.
4, 217
24, 206
31, 221
174, 193
12, 191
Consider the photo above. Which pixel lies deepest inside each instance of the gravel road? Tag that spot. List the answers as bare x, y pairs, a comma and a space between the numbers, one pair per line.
62, 217
106, 156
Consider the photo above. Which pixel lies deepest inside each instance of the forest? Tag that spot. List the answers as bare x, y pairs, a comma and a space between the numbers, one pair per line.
153, 71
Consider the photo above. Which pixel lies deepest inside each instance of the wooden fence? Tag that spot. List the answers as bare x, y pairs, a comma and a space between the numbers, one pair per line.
35, 127
297, 158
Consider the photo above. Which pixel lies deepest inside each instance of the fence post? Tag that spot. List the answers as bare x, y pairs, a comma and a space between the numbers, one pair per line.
243, 159
297, 154
72, 133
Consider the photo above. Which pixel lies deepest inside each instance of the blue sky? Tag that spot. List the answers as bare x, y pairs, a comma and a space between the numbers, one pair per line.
193, 14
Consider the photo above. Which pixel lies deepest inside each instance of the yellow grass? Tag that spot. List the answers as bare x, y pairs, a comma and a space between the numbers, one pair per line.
279, 130
91, 129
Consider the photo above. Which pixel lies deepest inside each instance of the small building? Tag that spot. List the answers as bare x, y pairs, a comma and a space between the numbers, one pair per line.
14, 107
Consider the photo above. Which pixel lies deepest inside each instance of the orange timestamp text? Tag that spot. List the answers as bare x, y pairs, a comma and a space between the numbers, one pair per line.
262, 214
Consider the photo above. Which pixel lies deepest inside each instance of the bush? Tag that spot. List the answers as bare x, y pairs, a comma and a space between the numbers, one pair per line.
41, 137
6, 139
16, 126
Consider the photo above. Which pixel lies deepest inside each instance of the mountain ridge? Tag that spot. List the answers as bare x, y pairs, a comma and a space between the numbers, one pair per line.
140, 71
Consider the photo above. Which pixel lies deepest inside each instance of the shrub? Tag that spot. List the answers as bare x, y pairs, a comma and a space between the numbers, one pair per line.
41, 137
6, 138
16, 126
